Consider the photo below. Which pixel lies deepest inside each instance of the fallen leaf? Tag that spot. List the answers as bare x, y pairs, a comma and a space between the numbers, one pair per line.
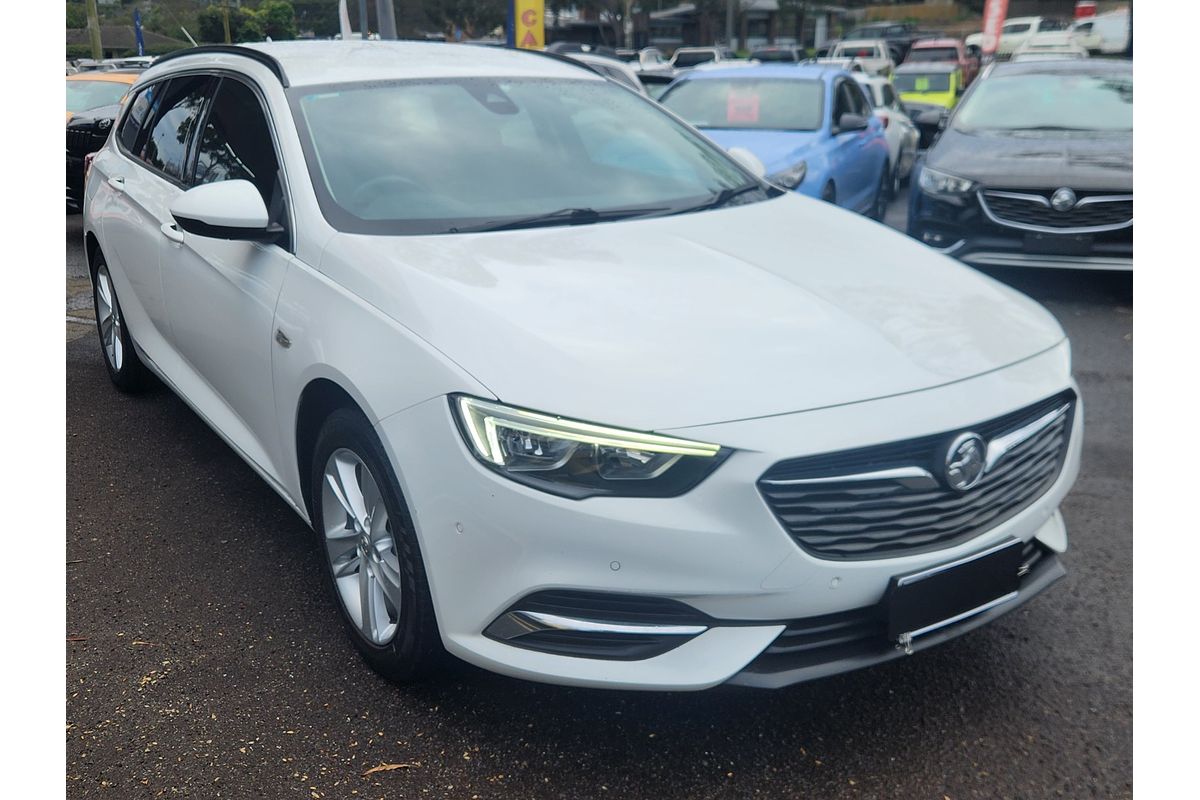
390, 767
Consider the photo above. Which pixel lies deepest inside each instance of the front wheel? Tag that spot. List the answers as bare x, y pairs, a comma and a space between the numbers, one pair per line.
372, 558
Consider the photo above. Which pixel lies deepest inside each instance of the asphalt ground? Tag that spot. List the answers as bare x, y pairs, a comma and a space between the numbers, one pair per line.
204, 658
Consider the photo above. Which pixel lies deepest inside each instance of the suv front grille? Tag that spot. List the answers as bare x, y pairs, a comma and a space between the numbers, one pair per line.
81, 141
832, 509
1091, 212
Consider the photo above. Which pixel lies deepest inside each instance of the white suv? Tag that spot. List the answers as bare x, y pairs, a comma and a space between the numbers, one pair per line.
560, 386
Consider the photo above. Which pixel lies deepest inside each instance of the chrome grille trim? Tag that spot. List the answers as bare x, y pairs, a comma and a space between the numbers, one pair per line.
1044, 203
886, 510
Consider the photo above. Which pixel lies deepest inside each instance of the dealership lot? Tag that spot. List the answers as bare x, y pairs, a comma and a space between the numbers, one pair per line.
205, 658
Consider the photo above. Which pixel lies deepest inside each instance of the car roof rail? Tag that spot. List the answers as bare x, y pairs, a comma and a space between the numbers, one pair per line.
267, 60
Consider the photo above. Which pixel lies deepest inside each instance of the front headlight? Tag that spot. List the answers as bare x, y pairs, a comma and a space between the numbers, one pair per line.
791, 177
579, 459
944, 184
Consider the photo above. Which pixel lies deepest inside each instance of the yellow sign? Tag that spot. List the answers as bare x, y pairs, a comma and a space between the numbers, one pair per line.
530, 17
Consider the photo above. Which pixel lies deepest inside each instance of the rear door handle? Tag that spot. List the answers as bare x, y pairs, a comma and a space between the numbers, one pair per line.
171, 232
117, 182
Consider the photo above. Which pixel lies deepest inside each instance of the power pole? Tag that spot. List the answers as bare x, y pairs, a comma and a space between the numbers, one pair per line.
729, 23
362, 18
386, 14
94, 30
225, 13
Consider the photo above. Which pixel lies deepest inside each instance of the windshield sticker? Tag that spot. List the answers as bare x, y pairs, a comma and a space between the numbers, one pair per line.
742, 107
921, 84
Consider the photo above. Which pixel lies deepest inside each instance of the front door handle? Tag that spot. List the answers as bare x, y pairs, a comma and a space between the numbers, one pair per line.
173, 233
117, 182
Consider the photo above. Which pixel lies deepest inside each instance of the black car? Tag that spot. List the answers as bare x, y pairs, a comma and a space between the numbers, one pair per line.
1033, 168
86, 133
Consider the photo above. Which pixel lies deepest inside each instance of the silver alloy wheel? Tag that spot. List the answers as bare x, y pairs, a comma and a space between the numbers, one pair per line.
108, 318
360, 546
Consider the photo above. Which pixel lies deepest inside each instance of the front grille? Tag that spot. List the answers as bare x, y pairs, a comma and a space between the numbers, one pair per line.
885, 518
1035, 210
81, 141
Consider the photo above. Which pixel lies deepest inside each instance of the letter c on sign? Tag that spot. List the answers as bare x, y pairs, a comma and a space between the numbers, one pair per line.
528, 18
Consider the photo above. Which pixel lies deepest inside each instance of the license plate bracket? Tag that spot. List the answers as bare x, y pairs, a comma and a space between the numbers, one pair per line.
923, 601
1061, 244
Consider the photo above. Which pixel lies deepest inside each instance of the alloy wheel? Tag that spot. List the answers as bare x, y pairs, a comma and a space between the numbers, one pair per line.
108, 319
360, 546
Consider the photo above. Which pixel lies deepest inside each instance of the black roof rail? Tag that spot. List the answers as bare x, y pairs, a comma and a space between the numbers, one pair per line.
268, 61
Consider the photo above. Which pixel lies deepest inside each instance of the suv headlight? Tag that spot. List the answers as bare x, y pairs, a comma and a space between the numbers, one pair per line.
944, 184
578, 459
791, 177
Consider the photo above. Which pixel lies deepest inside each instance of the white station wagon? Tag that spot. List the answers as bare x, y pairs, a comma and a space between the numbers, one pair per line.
562, 388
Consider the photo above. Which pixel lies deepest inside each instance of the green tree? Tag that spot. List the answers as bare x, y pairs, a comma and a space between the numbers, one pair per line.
475, 17
76, 15
278, 18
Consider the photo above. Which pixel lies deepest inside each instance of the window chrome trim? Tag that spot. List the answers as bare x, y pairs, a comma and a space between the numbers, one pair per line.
979, 193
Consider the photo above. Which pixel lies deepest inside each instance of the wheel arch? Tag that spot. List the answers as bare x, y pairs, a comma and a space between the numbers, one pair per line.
318, 400
91, 246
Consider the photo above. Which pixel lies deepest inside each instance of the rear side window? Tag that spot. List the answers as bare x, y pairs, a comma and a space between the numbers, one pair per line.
139, 113
181, 104
236, 145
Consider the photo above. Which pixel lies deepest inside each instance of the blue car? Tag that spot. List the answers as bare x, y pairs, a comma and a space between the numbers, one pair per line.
810, 125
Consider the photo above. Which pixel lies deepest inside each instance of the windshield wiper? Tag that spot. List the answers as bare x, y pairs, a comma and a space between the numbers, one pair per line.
726, 196
563, 216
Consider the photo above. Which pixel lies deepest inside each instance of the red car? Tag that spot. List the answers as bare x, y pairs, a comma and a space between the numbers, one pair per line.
945, 51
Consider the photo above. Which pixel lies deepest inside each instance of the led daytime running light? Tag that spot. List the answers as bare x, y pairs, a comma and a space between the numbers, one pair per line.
482, 418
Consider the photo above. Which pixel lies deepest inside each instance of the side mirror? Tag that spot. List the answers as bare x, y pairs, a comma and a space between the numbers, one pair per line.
943, 119
225, 210
851, 122
749, 161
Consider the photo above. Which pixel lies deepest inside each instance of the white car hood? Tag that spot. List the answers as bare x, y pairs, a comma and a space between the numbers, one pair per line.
767, 308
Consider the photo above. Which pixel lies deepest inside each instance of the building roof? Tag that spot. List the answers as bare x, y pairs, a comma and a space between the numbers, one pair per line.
122, 37
321, 62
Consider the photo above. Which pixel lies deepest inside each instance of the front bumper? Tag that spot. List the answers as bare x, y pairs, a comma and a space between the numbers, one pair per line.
489, 542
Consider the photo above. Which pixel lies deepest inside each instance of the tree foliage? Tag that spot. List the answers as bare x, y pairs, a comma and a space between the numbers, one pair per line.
273, 18
475, 17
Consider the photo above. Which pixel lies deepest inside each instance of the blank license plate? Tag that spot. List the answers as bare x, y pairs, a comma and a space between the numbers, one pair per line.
924, 601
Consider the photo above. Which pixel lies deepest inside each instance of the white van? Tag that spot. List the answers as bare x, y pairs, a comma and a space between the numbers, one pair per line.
1104, 33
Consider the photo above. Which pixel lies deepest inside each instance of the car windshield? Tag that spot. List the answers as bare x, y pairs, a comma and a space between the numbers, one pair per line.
82, 95
693, 57
753, 103
774, 55
926, 54
453, 155
856, 52
922, 82
1067, 101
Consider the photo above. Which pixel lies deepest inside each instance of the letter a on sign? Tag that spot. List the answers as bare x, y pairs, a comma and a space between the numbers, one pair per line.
530, 18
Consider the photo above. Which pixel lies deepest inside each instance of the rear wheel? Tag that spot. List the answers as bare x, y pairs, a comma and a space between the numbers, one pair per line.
125, 369
829, 193
372, 558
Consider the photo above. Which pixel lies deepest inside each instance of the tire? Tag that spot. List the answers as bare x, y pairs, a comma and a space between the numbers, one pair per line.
894, 189
125, 369
379, 560
829, 193
882, 192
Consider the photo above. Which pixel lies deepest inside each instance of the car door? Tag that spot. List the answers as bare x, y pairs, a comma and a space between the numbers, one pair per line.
842, 146
858, 180
220, 293
142, 179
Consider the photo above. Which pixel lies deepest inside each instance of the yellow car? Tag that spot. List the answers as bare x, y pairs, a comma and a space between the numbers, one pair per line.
95, 88
929, 84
